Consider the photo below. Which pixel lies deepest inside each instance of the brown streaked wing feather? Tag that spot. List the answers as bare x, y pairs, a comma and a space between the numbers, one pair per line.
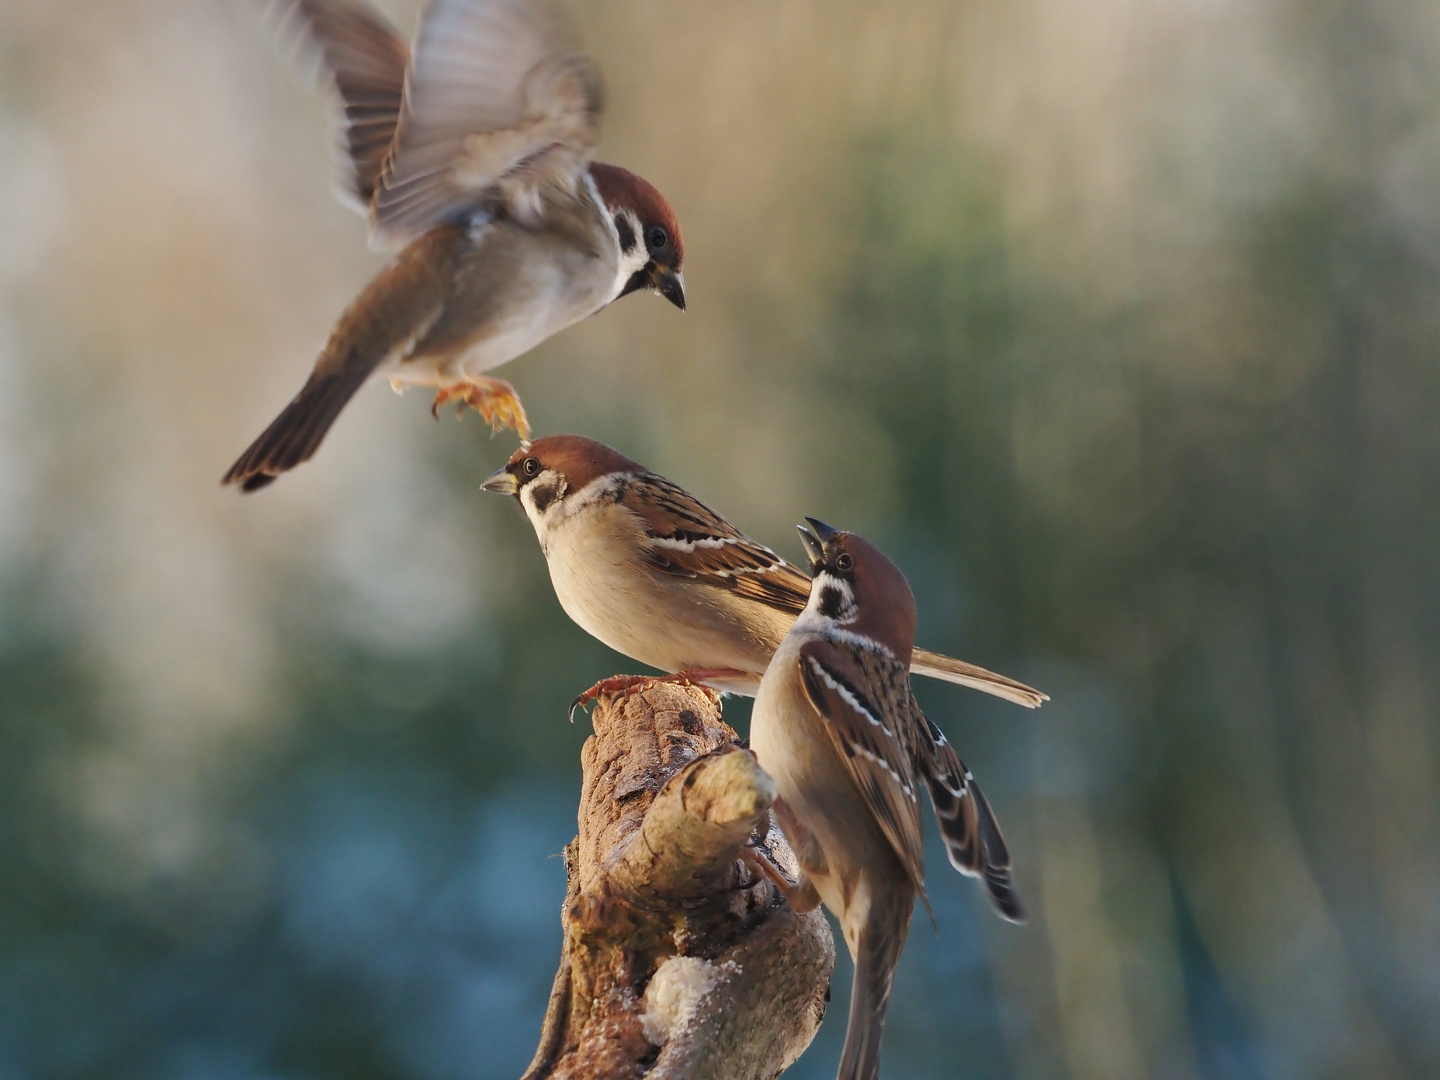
972, 836
688, 539
498, 95
365, 59
784, 587
864, 699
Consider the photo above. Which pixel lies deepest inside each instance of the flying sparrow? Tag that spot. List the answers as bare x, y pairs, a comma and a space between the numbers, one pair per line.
836, 726
644, 566
475, 154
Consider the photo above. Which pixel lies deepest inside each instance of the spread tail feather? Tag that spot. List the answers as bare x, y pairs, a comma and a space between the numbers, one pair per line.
939, 666
295, 435
398, 306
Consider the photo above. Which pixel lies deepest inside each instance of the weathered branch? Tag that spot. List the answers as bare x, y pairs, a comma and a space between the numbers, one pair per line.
678, 960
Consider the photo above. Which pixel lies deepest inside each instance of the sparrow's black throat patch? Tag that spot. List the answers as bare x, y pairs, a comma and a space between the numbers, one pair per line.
638, 280
837, 601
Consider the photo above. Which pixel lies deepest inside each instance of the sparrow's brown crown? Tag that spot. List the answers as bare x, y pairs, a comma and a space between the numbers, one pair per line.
877, 597
651, 248
624, 190
578, 459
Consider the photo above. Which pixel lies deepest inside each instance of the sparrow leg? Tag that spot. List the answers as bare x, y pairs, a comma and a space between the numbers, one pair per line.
444, 396
615, 684
702, 676
800, 895
494, 399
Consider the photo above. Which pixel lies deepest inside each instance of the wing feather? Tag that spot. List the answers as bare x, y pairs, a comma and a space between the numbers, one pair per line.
865, 701
684, 537
365, 59
500, 105
688, 539
972, 836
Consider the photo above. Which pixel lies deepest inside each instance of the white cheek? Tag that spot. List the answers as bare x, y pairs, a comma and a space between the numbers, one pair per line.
557, 507
537, 519
633, 261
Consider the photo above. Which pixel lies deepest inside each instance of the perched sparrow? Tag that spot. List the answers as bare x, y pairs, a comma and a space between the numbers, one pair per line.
837, 727
655, 574
475, 153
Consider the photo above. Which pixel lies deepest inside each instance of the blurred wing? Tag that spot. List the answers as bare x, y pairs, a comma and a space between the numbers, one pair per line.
688, 539
365, 59
967, 824
939, 666
864, 699
499, 104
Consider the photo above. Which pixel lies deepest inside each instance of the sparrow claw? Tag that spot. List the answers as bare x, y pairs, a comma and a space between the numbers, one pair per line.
494, 399
445, 395
801, 895
615, 684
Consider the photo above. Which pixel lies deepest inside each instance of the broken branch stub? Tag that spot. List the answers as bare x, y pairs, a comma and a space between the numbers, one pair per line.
678, 960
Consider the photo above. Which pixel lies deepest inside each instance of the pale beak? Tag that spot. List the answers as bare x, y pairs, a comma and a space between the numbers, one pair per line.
501, 482
814, 549
670, 284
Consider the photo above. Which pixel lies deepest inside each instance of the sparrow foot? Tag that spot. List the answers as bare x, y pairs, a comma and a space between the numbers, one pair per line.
620, 684
800, 895
615, 684
494, 399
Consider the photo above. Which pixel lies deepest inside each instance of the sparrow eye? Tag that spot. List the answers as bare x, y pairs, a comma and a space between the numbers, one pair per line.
844, 562
530, 466
657, 238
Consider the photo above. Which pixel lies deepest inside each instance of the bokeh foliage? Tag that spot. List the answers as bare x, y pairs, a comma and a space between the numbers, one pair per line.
1117, 325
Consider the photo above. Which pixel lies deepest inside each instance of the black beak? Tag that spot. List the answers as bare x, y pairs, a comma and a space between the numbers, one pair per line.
824, 532
814, 547
670, 284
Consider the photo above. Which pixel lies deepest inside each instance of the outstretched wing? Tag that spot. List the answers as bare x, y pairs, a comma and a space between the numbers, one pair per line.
972, 836
365, 59
864, 699
500, 104
684, 537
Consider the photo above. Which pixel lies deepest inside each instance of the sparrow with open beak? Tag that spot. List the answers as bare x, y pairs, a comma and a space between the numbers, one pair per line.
644, 566
836, 726
475, 154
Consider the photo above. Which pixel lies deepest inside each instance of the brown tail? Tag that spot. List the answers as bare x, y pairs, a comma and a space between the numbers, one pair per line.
295, 435
404, 298
939, 666
877, 953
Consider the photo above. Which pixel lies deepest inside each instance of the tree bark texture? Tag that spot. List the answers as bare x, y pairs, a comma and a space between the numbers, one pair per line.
678, 959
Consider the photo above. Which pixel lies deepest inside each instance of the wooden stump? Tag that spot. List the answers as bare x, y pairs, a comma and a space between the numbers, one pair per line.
678, 959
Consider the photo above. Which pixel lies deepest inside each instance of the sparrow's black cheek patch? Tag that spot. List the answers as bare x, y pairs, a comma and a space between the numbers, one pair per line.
626, 233
544, 492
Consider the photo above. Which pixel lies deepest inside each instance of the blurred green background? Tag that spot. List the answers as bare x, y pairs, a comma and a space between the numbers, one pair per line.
1116, 323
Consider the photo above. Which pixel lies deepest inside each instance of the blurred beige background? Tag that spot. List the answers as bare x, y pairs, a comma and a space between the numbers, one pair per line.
1116, 323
